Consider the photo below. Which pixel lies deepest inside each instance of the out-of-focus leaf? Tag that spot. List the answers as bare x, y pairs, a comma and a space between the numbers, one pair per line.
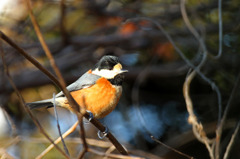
165, 51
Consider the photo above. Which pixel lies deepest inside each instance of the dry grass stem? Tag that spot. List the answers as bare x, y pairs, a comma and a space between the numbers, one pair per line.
230, 144
113, 155
69, 131
192, 119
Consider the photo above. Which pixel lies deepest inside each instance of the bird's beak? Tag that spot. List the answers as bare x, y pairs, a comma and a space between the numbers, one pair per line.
118, 68
123, 71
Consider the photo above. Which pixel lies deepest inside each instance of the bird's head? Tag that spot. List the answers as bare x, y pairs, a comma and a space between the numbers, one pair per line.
110, 68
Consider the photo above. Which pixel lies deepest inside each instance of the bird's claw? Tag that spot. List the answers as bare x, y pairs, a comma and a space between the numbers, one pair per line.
102, 135
90, 115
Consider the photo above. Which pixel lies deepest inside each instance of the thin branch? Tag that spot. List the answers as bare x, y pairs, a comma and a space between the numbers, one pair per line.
22, 102
69, 131
179, 152
62, 83
225, 113
30, 58
234, 136
83, 137
230, 101
220, 32
58, 126
76, 140
113, 155
109, 150
194, 32
43, 43
145, 154
192, 119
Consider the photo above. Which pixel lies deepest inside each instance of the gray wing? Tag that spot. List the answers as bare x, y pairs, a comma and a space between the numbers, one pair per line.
86, 80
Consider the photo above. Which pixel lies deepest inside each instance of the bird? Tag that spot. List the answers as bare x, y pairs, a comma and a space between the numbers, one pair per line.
98, 90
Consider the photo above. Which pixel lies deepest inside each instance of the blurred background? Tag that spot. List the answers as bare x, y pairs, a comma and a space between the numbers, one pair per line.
80, 32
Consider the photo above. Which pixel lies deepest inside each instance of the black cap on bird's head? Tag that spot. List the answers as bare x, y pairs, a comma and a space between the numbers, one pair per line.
108, 67
107, 62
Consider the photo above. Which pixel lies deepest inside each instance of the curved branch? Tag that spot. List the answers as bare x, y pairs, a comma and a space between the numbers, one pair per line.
192, 119
204, 58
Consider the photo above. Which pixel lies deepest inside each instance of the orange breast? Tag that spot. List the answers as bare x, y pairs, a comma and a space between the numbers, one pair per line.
100, 98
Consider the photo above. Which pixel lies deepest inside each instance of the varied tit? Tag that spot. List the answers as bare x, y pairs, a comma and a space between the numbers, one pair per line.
97, 90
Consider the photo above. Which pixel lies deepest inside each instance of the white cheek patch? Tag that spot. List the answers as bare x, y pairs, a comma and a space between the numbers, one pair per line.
109, 74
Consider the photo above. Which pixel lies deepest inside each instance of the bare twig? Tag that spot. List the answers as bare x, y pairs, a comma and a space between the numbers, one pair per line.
220, 33
145, 154
83, 137
109, 150
58, 126
197, 127
43, 43
62, 83
179, 152
92, 142
223, 120
230, 144
113, 155
22, 102
69, 131
30, 58
192, 119
234, 91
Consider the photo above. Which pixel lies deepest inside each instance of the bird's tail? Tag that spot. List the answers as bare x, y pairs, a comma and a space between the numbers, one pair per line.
40, 104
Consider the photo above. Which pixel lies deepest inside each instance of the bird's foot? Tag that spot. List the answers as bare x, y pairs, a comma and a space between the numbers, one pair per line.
102, 135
